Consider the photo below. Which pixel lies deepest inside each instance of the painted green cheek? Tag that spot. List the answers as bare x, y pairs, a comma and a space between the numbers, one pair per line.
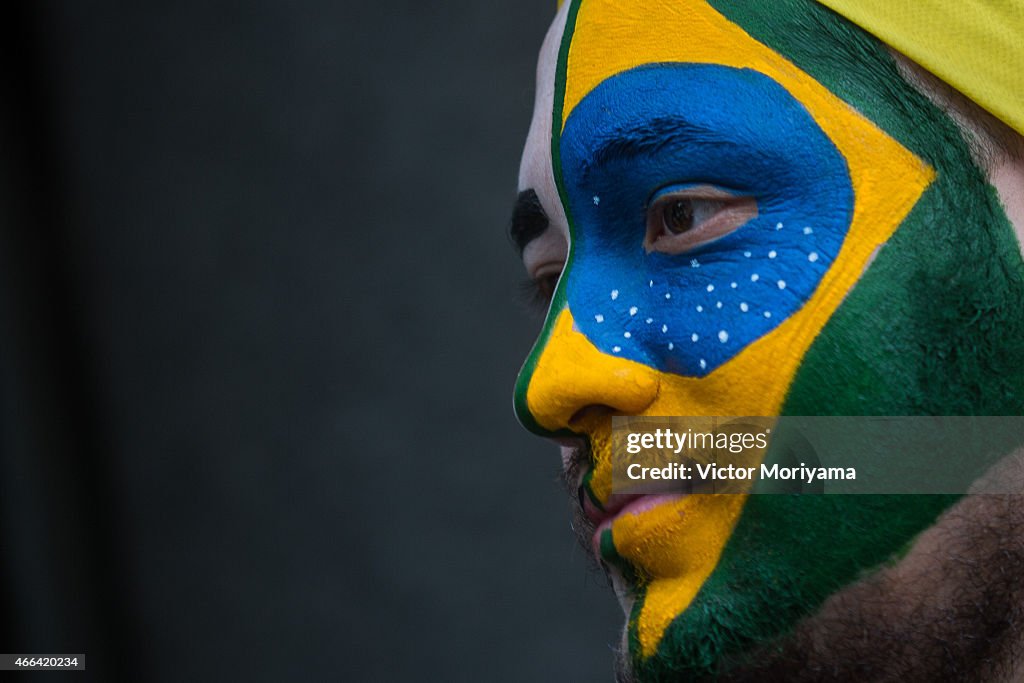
958, 351
788, 553
934, 327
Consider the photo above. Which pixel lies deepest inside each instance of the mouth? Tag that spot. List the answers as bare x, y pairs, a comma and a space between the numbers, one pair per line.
617, 506
597, 518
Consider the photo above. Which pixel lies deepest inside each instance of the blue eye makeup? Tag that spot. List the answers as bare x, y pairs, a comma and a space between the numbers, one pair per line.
706, 205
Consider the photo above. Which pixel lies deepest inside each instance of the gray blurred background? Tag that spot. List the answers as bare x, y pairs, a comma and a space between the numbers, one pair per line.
258, 335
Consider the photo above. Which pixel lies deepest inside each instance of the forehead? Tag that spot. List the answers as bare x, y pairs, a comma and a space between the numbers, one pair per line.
602, 38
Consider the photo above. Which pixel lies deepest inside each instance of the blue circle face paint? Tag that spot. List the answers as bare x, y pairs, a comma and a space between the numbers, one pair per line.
668, 126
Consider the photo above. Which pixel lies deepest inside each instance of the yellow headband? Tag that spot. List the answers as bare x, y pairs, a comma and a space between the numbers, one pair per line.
976, 46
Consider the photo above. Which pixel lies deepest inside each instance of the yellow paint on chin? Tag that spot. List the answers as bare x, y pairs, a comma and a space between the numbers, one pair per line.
678, 544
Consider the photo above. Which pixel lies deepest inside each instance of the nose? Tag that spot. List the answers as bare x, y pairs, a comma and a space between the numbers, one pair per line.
566, 378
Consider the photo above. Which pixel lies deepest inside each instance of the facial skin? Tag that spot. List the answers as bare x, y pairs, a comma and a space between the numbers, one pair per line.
753, 213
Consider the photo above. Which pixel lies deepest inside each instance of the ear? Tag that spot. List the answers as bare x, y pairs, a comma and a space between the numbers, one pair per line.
1007, 177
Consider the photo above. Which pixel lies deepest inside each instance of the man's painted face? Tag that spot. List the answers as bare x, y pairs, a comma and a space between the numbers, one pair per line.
761, 218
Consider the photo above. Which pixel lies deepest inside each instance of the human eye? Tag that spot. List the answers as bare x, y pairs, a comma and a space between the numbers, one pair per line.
540, 287
679, 220
544, 258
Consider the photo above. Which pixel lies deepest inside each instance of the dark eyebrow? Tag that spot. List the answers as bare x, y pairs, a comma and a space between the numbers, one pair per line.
651, 137
528, 220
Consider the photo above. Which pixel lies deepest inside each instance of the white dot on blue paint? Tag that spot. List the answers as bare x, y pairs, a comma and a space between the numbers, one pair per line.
694, 263
632, 310
650, 283
733, 285
599, 318
767, 314
703, 364
597, 200
711, 288
781, 284
807, 231
772, 254
671, 346
694, 337
778, 226
744, 307
812, 257
664, 328
723, 336
627, 335
755, 277
747, 254
700, 309
649, 321
668, 295
615, 294
616, 349
718, 305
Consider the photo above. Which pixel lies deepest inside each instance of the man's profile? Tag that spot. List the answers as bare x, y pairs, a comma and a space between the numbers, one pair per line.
742, 208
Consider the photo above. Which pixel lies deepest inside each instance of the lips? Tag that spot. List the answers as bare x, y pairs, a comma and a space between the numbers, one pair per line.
619, 505
616, 502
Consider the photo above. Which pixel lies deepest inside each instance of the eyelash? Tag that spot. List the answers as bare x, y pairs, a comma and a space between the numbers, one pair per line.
536, 293
713, 214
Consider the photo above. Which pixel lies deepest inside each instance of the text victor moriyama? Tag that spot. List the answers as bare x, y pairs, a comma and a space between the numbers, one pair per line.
710, 471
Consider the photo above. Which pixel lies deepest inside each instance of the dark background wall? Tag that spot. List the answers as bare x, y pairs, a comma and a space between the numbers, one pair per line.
258, 335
